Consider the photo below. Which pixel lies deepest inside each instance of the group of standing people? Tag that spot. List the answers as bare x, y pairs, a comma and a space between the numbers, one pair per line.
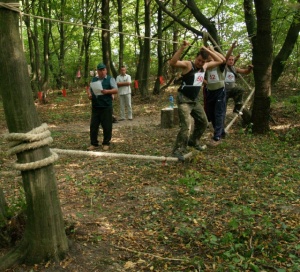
216, 74
101, 93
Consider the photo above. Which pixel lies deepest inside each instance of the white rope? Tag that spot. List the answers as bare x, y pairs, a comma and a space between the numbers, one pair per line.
118, 155
36, 164
11, 6
20, 142
241, 110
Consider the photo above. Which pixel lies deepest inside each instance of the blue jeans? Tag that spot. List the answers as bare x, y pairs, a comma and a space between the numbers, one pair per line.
216, 110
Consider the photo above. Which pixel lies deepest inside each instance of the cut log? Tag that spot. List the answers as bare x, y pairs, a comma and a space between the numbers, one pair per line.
169, 117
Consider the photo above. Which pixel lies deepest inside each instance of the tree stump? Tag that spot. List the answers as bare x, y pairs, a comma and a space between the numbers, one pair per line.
169, 117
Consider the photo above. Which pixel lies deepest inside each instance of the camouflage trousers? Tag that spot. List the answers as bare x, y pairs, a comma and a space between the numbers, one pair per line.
236, 94
185, 112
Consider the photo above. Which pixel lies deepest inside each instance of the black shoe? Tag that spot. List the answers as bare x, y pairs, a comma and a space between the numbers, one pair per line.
190, 143
237, 108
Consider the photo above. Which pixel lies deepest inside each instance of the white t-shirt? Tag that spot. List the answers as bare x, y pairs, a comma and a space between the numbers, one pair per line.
124, 89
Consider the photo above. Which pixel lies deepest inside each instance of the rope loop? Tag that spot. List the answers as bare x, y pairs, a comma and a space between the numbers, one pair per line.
20, 142
11, 6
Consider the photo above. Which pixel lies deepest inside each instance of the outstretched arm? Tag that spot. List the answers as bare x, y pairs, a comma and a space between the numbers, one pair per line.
236, 58
217, 58
176, 62
245, 71
229, 53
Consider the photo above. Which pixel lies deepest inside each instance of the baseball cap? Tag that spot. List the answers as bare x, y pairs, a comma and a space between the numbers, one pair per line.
101, 66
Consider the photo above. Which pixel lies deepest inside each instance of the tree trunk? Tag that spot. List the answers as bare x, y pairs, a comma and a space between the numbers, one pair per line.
37, 55
146, 52
262, 61
33, 42
121, 36
156, 89
287, 48
139, 50
61, 56
46, 37
105, 34
250, 19
44, 236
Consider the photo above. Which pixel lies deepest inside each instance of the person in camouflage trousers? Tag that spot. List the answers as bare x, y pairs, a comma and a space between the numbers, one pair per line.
188, 97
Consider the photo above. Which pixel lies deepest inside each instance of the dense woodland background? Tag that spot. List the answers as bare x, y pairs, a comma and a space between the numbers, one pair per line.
62, 37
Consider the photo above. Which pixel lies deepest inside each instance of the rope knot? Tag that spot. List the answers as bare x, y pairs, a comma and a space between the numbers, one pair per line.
33, 139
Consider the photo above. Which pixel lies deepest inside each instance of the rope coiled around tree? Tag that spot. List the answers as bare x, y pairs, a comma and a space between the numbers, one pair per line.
20, 142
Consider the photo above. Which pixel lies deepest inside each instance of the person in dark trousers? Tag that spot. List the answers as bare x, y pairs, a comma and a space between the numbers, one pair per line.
188, 97
231, 72
215, 100
102, 89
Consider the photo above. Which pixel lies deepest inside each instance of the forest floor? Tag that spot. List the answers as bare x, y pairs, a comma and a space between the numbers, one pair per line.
234, 207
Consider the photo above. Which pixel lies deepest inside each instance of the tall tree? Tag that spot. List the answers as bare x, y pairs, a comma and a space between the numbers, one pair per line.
287, 48
59, 50
46, 26
262, 61
89, 17
159, 52
105, 36
121, 35
140, 49
44, 237
144, 84
33, 44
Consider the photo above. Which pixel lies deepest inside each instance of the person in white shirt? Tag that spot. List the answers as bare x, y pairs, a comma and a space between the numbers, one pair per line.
233, 90
124, 90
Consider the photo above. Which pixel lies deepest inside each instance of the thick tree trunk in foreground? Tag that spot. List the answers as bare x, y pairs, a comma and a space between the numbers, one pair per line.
44, 236
262, 61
